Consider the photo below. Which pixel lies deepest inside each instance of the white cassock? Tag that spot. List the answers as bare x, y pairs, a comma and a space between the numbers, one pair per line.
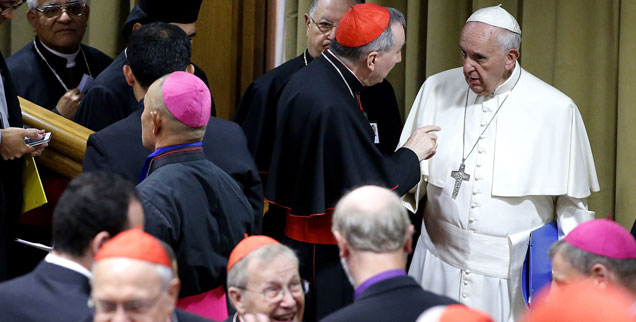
531, 163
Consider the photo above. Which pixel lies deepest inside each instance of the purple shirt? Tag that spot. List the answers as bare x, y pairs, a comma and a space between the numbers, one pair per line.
377, 278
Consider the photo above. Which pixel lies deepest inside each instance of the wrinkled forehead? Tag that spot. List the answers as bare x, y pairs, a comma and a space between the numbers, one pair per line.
58, 2
332, 10
478, 34
279, 269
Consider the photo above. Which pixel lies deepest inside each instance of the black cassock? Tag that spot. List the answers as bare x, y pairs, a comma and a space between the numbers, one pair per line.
324, 147
199, 210
111, 99
223, 143
36, 82
10, 180
257, 111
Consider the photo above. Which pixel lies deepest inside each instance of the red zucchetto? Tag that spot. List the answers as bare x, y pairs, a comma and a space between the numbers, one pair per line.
135, 244
246, 246
362, 24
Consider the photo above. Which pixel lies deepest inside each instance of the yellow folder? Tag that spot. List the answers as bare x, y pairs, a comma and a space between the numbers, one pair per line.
33, 191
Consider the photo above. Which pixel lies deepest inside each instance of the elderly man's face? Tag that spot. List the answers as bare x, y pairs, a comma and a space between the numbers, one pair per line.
486, 66
274, 288
62, 32
384, 62
563, 272
322, 29
130, 290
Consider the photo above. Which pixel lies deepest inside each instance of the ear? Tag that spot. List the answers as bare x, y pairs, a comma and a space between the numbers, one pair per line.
130, 77
98, 241
408, 247
32, 17
156, 122
190, 69
136, 26
511, 58
343, 246
236, 297
173, 288
601, 274
307, 21
371, 60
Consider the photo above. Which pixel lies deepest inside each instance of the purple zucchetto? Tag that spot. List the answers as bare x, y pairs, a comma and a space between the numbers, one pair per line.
187, 98
604, 238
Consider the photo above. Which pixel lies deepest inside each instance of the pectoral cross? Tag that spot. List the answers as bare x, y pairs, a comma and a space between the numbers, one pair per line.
459, 176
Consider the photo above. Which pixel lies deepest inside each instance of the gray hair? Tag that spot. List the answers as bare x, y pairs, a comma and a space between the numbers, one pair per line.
239, 275
373, 219
314, 3
382, 44
34, 3
583, 261
508, 39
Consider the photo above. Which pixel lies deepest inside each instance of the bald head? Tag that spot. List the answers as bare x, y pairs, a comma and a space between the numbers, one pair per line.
159, 126
372, 218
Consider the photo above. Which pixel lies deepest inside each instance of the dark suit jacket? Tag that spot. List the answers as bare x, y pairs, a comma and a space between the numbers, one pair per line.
118, 149
395, 299
49, 293
183, 316
10, 174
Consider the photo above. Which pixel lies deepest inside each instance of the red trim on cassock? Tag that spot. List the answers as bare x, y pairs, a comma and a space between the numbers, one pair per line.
312, 229
175, 151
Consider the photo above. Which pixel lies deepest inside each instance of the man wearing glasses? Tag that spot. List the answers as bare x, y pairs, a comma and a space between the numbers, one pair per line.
55, 68
136, 283
12, 148
263, 279
256, 111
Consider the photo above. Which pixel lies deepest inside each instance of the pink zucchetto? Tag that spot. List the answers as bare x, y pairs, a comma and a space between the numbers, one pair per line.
187, 98
604, 238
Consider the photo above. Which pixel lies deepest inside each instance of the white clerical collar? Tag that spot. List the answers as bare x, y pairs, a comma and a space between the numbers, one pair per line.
70, 58
67, 263
510, 82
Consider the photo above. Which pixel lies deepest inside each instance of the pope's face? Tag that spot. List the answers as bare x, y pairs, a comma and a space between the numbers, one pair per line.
322, 30
486, 66
63, 32
274, 289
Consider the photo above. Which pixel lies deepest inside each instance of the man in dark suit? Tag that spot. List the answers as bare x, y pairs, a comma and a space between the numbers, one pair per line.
153, 51
93, 208
12, 148
374, 235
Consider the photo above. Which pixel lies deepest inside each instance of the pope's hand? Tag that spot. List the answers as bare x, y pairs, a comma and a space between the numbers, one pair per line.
12, 145
423, 142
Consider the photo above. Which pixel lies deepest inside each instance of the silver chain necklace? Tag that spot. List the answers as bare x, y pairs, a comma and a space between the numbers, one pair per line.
53, 70
460, 175
305, 56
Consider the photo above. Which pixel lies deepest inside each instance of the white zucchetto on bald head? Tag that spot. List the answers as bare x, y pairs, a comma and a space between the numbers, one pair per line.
496, 16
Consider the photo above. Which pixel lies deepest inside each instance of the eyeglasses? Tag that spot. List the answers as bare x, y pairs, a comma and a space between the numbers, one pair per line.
323, 26
276, 293
7, 10
55, 10
132, 307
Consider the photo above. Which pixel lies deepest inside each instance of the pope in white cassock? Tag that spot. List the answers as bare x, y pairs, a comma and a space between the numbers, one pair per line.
513, 155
